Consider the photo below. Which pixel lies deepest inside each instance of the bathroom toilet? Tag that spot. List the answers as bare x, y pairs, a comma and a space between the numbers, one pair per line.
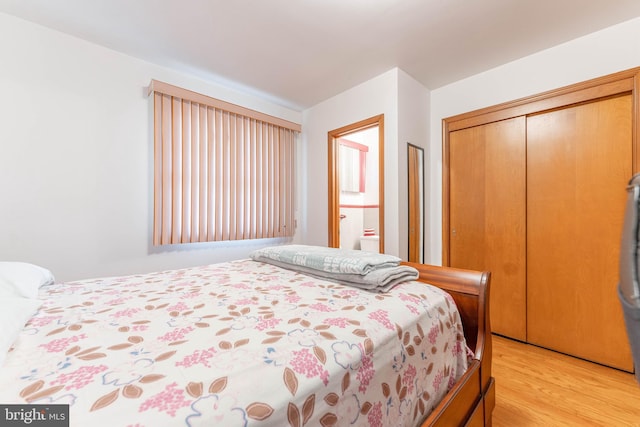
370, 243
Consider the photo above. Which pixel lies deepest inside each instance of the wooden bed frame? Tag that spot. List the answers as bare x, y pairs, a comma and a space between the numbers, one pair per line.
472, 399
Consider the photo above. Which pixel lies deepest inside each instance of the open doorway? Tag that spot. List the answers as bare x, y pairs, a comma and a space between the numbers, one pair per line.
356, 185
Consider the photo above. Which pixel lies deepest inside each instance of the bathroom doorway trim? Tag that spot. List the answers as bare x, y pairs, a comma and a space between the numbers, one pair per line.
334, 176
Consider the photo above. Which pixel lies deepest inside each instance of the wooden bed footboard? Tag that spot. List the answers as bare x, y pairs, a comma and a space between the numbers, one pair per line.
472, 399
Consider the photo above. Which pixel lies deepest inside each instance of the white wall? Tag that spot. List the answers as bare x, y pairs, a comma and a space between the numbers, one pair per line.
76, 152
611, 50
413, 127
76, 157
405, 105
373, 97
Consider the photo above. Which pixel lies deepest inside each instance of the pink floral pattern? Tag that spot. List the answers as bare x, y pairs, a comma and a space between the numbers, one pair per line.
437, 381
61, 344
382, 317
191, 346
375, 415
129, 312
170, 400
433, 334
198, 357
79, 378
176, 334
264, 324
341, 322
43, 321
408, 377
365, 373
304, 362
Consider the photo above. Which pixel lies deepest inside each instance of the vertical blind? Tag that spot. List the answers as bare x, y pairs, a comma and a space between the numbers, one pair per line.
222, 172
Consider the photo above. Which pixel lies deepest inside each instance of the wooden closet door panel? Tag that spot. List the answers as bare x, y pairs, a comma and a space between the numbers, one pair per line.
487, 215
579, 160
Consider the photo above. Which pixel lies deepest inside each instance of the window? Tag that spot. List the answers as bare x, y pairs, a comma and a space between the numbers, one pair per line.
221, 171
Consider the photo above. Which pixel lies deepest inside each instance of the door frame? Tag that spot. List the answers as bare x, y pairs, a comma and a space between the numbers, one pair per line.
334, 176
415, 189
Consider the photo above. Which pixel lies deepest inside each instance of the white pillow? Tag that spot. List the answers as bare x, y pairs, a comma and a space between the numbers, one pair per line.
21, 279
14, 313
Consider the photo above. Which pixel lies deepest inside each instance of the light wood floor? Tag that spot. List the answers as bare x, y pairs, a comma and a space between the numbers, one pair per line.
537, 387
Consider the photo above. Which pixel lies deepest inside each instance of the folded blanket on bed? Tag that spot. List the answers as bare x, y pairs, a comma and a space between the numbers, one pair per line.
364, 270
330, 260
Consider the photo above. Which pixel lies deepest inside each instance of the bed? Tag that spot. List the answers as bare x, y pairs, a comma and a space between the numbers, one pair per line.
251, 342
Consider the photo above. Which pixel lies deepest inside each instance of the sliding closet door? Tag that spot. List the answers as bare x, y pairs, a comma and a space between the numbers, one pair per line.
487, 215
579, 160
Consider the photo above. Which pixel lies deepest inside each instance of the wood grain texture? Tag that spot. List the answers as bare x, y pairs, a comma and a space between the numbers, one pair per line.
416, 234
538, 387
579, 160
488, 215
611, 84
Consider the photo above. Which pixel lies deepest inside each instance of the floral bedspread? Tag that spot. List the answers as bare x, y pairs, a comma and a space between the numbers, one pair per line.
236, 344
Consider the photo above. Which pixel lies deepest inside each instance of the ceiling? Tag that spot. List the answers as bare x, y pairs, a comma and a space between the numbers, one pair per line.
300, 52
